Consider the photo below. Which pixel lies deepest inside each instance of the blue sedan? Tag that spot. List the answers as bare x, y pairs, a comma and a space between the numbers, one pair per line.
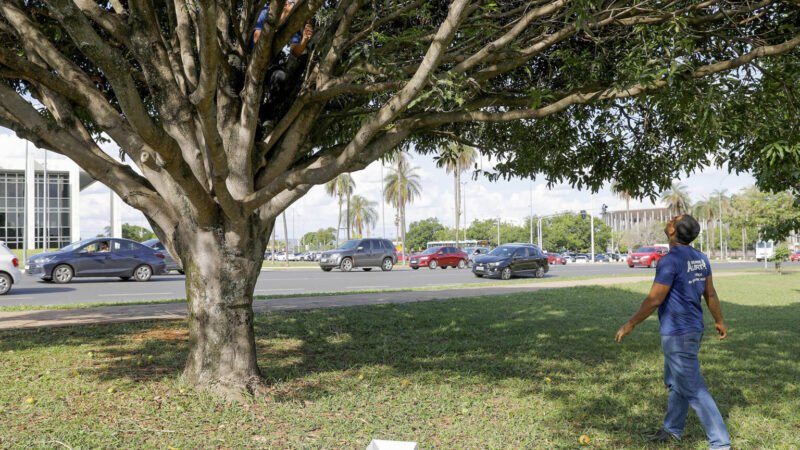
98, 257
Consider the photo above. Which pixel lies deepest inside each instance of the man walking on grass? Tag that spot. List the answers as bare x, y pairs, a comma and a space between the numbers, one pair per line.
682, 276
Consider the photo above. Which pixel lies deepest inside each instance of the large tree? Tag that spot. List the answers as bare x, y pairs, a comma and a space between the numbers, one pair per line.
580, 91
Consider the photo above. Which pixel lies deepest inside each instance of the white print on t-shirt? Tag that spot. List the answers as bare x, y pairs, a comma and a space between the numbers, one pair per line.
696, 265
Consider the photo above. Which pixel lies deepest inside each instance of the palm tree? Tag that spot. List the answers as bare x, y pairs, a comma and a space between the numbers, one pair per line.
342, 187
456, 158
620, 192
677, 199
705, 212
402, 187
363, 214
719, 200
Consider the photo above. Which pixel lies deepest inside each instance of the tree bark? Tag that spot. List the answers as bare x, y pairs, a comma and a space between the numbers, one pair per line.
222, 266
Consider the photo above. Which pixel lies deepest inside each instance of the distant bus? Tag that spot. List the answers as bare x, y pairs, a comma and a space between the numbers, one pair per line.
461, 244
764, 250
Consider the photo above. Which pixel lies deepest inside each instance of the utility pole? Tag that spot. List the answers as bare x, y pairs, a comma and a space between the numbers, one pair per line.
498, 231
591, 225
46, 223
25, 209
539, 231
383, 204
721, 253
530, 220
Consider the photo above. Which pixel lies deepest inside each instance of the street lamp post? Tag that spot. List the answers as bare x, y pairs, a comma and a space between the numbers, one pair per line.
498, 231
591, 225
383, 204
530, 220
721, 251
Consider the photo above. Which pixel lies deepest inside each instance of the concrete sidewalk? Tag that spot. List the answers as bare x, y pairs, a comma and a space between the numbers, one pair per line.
177, 311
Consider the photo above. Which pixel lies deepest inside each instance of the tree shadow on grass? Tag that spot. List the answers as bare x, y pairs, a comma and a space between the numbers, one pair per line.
564, 335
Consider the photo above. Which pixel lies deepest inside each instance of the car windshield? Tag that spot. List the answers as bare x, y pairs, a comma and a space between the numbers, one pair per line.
431, 250
646, 250
75, 245
503, 251
349, 245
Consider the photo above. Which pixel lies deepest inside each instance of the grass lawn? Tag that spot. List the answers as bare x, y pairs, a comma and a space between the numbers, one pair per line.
534, 370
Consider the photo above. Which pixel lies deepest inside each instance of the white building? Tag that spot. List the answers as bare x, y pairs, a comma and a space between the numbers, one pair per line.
23, 217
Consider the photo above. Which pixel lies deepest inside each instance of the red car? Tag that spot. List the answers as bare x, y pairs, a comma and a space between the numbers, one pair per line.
554, 258
647, 256
795, 256
443, 257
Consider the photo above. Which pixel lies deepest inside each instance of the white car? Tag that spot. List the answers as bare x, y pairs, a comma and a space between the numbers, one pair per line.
581, 259
9, 269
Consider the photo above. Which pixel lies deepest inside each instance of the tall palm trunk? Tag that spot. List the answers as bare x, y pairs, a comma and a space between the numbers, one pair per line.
627, 214
339, 222
348, 217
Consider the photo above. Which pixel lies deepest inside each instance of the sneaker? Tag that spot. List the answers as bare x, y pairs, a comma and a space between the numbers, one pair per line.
663, 435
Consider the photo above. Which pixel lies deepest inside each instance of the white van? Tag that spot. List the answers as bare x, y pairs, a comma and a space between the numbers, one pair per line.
9, 269
764, 250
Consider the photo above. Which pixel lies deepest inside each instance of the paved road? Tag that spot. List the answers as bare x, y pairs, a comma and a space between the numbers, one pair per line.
34, 292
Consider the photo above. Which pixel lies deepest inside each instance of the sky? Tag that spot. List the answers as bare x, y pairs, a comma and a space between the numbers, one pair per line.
508, 200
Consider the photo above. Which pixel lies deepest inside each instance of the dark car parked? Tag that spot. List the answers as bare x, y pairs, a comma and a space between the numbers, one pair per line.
98, 257
364, 253
443, 257
156, 245
509, 260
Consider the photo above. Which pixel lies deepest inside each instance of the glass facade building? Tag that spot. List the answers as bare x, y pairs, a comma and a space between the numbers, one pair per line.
12, 208
51, 212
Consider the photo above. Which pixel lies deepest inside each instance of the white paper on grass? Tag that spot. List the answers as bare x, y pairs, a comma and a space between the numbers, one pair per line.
378, 444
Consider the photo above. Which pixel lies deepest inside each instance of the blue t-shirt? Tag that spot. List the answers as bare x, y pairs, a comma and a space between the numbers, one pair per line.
262, 17
685, 270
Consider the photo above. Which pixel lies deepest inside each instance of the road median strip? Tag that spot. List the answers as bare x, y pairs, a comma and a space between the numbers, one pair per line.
177, 310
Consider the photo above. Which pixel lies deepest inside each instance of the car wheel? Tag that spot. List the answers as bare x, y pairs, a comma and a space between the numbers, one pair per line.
433, 264
630, 265
346, 265
366, 269
462, 264
124, 278
142, 273
443, 267
505, 274
539, 272
63, 274
5, 283
326, 269
478, 275
415, 268
387, 265
180, 271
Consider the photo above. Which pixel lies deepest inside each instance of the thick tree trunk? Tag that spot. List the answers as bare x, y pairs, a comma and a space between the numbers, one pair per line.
222, 267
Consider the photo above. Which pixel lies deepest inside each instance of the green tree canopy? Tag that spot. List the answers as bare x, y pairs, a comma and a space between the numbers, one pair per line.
322, 239
424, 231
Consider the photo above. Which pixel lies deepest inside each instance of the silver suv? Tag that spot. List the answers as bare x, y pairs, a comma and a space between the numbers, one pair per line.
364, 253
